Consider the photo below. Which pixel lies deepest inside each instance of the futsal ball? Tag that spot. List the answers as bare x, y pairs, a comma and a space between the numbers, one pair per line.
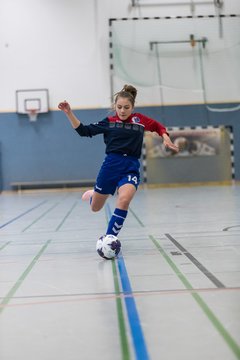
108, 246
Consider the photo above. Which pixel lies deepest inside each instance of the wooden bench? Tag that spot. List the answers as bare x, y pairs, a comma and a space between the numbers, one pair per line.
24, 185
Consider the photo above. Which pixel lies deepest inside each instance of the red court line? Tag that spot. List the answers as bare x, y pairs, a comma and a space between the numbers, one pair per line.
94, 297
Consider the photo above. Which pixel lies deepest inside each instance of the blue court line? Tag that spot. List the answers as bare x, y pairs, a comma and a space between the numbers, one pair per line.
139, 343
26, 212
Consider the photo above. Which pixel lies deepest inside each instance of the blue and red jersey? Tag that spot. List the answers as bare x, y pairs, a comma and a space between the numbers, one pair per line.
123, 137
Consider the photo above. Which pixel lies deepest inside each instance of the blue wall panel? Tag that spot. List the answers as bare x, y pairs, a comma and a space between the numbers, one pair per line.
50, 149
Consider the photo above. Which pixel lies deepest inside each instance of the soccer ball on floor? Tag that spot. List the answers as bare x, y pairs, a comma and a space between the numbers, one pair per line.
108, 246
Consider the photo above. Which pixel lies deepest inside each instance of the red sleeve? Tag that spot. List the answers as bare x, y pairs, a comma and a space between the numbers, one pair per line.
152, 125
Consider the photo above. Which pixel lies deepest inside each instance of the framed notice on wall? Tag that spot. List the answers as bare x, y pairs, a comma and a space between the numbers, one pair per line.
165, 2
204, 156
192, 142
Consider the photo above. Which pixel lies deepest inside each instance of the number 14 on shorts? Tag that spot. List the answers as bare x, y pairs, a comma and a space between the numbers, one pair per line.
133, 179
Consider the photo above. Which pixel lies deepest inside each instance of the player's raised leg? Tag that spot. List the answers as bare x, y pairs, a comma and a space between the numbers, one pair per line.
87, 195
98, 201
95, 199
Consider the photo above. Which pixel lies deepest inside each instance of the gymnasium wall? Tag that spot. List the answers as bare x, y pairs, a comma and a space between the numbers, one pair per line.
64, 46
51, 150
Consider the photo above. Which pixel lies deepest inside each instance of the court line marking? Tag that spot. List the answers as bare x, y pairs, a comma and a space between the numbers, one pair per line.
211, 316
121, 322
208, 312
230, 227
193, 232
139, 343
4, 245
19, 216
133, 317
120, 314
47, 211
136, 217
203, 234
20, 280
66, 216
41, 216
200, 266
120, 293
105, 296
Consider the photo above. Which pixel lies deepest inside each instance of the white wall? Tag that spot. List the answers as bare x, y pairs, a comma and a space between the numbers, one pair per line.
63, 45
173, 71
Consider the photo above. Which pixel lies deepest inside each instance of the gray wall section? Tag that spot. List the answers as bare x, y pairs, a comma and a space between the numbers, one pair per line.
1, 174
51, 150
188, 170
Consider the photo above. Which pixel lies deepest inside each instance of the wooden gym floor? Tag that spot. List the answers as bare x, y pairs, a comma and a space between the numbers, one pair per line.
174, 294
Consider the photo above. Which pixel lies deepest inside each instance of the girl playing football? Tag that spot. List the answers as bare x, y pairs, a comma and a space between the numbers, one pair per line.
123, 137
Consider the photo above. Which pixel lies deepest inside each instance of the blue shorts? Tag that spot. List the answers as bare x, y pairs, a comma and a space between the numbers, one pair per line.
116, 171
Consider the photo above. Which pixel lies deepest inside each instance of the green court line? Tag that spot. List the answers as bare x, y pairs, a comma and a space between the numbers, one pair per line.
136, 217
211, 316
106, 217
40, 217
66, 216
19, 282
3, 246
121, 321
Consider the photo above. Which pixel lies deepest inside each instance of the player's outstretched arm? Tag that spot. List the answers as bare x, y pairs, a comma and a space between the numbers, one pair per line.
169, 144
65, 107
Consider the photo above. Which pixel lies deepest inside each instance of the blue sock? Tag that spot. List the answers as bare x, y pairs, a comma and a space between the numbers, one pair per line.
116, 222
